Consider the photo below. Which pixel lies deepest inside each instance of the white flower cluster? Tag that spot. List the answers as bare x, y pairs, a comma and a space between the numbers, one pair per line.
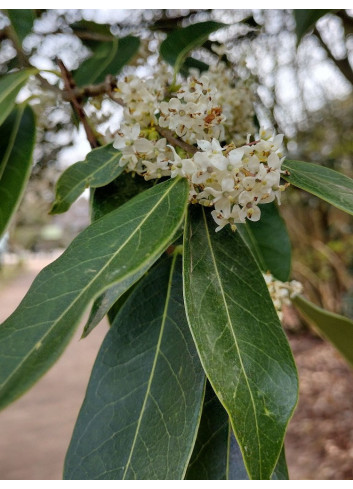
237, 102
194, 113
183, 131
282, 292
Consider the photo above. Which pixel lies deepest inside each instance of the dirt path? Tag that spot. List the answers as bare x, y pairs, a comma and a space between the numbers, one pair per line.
35, 430
320, 436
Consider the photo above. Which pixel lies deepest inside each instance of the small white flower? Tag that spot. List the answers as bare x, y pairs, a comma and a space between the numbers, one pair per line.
281, 292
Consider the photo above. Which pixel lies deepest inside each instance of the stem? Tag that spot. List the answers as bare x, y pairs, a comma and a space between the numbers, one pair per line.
166, 133
106, 87
77, 107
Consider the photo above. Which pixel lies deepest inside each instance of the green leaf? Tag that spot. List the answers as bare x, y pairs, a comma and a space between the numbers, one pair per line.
108, 59
10, 85
143, 404
100, 167
337, 329
192, 63
22, 22
180, 42
240, 341
216, 454
118, 248
210, 457
305, 19
117, 193
16, 148
111, 299
105, 200
329, 185
92, 33
269, 242
281, 471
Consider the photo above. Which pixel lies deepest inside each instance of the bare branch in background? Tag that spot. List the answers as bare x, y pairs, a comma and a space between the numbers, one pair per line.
342, 64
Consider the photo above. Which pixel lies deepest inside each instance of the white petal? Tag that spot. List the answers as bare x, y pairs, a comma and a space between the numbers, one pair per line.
143, 145
227, 184
135, 132
273, 161
203, 145
235, 156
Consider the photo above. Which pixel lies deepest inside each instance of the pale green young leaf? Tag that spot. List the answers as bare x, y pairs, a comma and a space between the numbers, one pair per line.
329, 185
240, 340
178, 43
143, 404
337, 329
118, 248
17, 139
100, 167
10, 85
269, 242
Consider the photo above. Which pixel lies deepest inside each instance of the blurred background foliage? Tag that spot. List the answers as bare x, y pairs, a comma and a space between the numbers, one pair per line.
300, 63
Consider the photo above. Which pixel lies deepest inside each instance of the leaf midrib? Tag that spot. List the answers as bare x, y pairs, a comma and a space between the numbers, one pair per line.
315, 177
78, 185
92, 281
155, 359
12, 139
13, 86
235, 340
108, 60
315, 190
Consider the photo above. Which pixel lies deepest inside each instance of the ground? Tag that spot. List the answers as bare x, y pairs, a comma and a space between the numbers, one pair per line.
36, 429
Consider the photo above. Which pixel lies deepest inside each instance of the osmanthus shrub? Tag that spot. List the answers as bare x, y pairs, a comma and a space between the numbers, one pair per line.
187, 255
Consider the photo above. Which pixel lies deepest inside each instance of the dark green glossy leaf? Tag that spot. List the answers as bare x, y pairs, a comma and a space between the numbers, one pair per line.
329, 185
240, 341
10, 85
281, 471
117, 193
22, 22
192, 63
108, 59
305, 19
100, 167
118, 248
216, 454
210, 457
269, 242
337, 329
16, 148
143, 403
105, 200
109, 302
180, 42
237, 470
92, 33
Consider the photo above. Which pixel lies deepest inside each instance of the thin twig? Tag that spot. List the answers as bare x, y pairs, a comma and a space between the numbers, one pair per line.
166, 133
107, 87
70, 87
252, 143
